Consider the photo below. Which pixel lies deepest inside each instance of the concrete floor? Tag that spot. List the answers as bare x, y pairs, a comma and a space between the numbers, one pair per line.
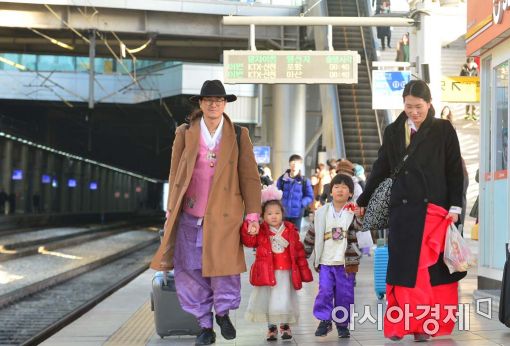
125, 319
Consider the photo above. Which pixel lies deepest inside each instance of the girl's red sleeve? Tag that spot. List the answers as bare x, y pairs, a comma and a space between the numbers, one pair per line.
247, 239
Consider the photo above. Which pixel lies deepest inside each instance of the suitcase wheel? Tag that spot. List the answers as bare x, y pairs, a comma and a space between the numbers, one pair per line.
161, 336
380, 296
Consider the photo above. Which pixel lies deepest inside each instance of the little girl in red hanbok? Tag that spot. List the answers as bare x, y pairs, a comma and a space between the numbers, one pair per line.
279, 269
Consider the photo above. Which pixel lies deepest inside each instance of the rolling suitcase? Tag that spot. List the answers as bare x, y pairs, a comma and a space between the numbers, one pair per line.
380, 268
169, 317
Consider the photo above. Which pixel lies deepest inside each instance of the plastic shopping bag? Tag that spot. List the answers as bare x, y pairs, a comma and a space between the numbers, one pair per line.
457, 256
364, 239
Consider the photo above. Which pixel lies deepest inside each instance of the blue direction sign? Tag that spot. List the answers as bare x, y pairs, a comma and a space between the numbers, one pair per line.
387, 88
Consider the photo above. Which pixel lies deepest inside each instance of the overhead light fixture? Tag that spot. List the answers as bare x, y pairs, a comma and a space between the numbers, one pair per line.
52, 40
12, 63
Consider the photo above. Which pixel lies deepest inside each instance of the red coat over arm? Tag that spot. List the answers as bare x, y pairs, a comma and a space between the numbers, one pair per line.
262, 270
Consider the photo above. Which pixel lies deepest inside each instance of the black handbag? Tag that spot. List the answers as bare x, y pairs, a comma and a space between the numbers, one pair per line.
377, 213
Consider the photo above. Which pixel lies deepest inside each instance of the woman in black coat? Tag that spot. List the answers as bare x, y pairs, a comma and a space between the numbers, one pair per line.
429, 184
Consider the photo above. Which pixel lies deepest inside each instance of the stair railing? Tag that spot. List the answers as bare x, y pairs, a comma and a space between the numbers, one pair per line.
369, 70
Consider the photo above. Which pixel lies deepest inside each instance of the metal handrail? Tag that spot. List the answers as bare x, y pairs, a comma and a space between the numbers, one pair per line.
369, 74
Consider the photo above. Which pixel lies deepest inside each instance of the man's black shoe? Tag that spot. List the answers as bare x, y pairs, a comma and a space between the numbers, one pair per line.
206, 337
227, 328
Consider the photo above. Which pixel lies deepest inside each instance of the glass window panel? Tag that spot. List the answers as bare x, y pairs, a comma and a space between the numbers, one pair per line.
29, 61
128, 64
55, 63
82, 64
501, 96
11, 57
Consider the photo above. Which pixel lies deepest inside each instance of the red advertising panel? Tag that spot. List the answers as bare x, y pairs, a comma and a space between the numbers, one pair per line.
486, 21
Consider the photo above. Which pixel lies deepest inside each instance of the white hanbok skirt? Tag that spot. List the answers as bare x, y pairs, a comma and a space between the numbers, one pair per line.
274, 304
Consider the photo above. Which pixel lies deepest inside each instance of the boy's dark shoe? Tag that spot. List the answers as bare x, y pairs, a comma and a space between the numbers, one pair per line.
206, 337
285, 331
395, 338
227, 328
324, 328
343, 332
272, 333
421, 337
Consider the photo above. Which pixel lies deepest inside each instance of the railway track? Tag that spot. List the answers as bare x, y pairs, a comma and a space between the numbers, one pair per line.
39, 314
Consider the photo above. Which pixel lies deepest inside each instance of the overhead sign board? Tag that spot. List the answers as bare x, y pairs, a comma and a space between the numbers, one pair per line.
387, 88
291, 67
460, 89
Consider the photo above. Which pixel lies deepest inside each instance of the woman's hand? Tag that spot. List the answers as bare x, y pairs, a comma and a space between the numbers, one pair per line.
253, 228
453, 216
358, 212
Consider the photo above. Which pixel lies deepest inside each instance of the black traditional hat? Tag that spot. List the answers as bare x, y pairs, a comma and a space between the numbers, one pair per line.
213, 88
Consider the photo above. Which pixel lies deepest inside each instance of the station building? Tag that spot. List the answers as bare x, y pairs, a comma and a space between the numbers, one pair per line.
488, 37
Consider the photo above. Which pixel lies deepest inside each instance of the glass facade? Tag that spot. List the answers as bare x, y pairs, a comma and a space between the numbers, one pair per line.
494, 195
61, 63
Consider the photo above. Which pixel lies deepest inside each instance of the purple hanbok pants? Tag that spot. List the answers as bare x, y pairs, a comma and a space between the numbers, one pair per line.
336, 289
197, 294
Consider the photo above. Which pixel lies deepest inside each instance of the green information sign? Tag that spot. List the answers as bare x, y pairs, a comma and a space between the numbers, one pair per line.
310, 67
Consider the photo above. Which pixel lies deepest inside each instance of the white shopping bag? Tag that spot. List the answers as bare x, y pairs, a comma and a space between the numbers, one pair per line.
364, 239
457, 255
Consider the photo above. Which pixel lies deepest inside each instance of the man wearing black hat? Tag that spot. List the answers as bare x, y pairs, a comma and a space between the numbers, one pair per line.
213, 183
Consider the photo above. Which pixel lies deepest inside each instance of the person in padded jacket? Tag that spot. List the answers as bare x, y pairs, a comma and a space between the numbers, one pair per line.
297, 191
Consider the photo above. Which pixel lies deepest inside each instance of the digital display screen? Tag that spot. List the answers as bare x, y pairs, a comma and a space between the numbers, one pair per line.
93, 185
326, 67
45, 179
71, 183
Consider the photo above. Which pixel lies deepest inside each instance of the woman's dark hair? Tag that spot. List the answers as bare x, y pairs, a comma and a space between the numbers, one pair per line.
418, 88
343, 179
272, 202
448, 116
196, 114
331, 163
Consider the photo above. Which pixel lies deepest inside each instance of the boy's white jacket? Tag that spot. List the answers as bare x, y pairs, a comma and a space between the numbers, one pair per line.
320, 228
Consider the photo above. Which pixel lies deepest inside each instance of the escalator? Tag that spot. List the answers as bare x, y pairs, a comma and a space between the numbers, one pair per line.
360, 123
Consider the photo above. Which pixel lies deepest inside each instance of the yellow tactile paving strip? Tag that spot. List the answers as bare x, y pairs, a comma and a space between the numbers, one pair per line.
136, 331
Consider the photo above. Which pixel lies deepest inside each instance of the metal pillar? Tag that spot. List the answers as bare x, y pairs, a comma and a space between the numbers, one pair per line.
288, 123
428, 46
7, 166
92, 55
35, 184
332, 132
23, 199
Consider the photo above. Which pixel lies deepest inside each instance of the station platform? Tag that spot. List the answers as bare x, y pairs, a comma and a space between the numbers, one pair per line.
125, 318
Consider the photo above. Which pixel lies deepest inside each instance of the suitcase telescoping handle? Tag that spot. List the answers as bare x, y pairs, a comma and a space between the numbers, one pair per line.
165, 273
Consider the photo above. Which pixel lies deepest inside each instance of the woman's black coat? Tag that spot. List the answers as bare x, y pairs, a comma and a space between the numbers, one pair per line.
432, 174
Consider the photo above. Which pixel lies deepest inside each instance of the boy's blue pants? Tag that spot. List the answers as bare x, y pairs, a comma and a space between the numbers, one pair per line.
336, 289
